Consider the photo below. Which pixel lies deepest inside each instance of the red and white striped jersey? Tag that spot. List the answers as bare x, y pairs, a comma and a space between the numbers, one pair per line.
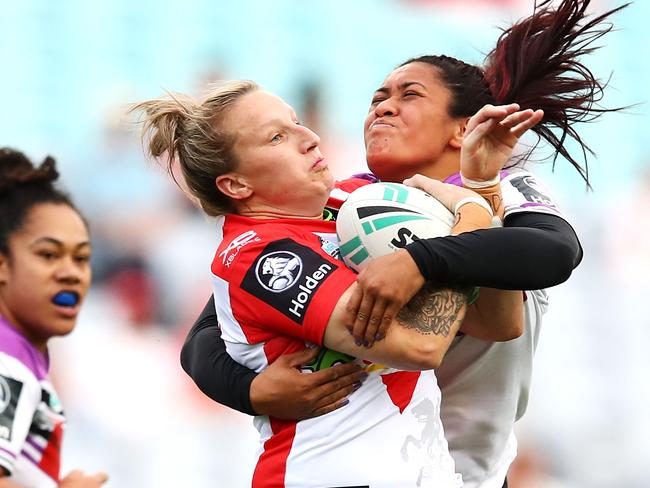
31, 418
276, 283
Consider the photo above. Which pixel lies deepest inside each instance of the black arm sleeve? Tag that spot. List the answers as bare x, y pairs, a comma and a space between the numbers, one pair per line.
531, 251
205, 360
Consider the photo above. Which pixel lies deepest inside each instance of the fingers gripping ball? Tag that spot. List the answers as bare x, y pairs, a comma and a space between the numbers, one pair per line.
380, 218
326, 359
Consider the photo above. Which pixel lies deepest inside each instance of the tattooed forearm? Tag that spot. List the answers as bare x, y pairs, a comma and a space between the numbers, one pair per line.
434, 311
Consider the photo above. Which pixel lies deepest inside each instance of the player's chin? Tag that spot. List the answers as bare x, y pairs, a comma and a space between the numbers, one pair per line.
62, 325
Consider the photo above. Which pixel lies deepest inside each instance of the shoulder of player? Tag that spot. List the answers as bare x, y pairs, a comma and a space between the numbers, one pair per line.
19, 357
267, 237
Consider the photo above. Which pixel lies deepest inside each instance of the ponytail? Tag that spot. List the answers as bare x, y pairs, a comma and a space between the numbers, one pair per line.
192, 133
537, 63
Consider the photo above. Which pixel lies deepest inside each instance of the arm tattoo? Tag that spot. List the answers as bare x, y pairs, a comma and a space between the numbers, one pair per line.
433, 311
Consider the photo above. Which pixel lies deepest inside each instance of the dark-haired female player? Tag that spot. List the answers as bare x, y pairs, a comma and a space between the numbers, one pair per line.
485, 385
44, 277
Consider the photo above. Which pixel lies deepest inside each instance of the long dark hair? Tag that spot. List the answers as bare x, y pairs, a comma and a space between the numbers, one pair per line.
23, 186
537, 64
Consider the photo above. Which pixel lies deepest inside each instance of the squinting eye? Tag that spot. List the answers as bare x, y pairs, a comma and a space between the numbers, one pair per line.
82, 259
47, 255
276, 137
375, 101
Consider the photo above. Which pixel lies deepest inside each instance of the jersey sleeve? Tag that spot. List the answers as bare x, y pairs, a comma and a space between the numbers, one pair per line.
287, 286
522, 191
19, 399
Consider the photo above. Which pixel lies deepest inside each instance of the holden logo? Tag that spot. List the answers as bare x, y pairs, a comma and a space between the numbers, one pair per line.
278, 270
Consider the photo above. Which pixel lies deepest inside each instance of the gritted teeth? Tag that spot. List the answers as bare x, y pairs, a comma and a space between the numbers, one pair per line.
66, 298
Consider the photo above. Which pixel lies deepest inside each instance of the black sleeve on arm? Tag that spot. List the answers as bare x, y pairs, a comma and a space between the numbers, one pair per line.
531, 251
205, 360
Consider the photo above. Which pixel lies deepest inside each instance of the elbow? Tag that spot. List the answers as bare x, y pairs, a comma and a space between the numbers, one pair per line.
514, 330
426, 355
566, 256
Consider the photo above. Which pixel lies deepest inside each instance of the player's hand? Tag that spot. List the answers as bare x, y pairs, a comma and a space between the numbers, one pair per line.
490, 138
384, 286
447, 194
79, 479
282, 391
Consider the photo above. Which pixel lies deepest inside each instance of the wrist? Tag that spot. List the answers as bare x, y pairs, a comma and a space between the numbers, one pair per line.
470, 183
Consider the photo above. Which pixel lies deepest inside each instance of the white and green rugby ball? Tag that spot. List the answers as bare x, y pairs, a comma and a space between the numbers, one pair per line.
380, 218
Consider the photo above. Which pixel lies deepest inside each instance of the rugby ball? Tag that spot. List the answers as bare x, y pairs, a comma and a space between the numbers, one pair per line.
379, 218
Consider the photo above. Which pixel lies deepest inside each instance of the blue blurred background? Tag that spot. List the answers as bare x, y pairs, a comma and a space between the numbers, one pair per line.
70, 68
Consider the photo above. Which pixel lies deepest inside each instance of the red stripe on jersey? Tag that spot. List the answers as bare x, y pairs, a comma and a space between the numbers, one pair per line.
400, 387
51, 459
272, 465
280, 345
348, 186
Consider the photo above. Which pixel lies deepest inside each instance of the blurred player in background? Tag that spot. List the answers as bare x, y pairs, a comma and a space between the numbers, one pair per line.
485, 385
44, 276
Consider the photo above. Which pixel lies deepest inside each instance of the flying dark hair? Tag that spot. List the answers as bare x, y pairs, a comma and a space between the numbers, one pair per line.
536, 63
23, 186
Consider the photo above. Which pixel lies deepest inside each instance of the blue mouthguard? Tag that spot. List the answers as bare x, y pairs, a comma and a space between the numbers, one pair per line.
65, 298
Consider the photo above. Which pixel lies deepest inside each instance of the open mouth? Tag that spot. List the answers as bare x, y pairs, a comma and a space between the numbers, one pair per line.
66, 299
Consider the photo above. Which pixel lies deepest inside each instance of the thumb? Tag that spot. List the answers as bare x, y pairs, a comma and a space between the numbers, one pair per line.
299, 358
100, 477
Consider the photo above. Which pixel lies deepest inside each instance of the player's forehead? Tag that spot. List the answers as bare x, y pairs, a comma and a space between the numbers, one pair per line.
256, 112
418, 74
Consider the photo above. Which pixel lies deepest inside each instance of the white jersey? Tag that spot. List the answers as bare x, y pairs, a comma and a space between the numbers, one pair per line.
31, 419
276, 284
485, 385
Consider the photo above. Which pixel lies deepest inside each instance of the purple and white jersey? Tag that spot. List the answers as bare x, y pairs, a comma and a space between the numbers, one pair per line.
31, 418
477, 373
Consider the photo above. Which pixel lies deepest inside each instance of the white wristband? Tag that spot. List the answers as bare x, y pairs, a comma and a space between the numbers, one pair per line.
477, 200
467, 183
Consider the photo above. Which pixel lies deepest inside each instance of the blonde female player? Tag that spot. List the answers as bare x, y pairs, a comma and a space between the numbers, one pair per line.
44, 277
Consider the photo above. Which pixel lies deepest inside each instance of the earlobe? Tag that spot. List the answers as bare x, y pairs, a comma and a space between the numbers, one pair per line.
233, 186
457, 139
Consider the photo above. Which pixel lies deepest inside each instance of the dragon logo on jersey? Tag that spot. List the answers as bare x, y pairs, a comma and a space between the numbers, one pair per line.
278, 270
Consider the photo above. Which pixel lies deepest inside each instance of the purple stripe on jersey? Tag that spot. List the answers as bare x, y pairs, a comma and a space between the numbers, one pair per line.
535, 204
455, 178
35, 445
14, 344
27, 456
366, 176
8, 453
